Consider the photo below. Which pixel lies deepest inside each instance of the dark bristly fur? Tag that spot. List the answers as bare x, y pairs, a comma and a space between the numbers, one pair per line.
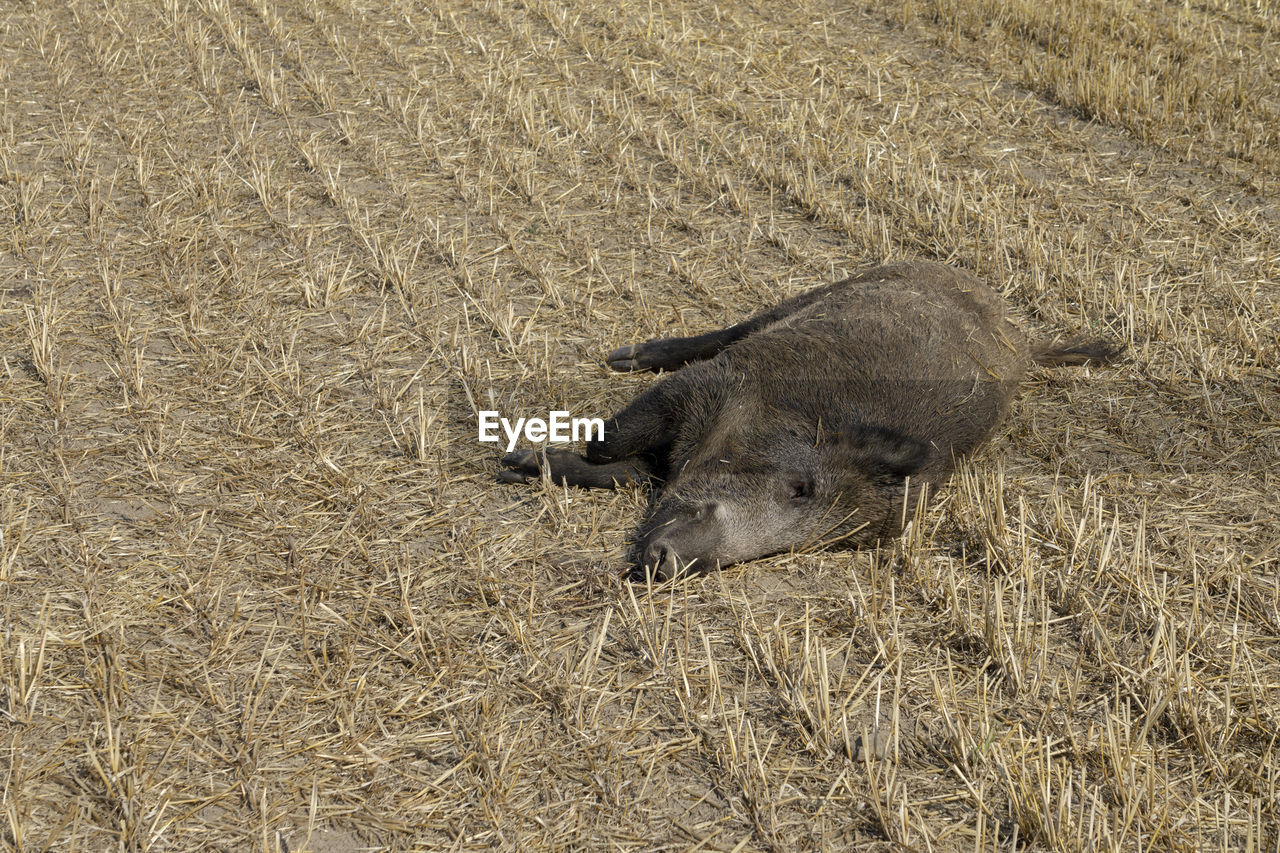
809, 424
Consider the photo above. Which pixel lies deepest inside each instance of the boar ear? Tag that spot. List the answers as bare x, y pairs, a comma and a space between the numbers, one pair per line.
887, 452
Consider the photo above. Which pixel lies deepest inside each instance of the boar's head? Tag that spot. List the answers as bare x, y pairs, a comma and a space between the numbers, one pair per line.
764, 488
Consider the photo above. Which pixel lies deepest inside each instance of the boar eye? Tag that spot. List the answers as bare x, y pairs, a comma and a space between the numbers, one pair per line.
800, 489
704, 511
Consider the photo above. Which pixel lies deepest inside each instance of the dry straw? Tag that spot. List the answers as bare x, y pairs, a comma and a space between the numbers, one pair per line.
262, 261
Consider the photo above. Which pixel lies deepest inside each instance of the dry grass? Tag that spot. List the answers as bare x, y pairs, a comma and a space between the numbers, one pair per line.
261, 261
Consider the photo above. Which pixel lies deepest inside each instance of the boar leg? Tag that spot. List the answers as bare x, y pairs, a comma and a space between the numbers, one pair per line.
570, 469
670, 353
648, 425
633, 449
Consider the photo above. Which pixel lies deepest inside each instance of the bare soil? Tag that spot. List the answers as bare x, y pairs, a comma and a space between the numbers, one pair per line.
262, 262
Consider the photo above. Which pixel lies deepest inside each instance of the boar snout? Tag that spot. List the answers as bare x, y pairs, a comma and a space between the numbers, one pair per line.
682, 539
661, 562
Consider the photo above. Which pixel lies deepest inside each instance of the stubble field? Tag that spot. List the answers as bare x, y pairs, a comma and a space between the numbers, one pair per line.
261, 262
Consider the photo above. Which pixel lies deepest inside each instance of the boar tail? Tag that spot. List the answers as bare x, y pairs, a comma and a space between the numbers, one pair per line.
1077, 352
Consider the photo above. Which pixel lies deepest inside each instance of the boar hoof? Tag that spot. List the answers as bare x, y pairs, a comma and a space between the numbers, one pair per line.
522, 467
629, 358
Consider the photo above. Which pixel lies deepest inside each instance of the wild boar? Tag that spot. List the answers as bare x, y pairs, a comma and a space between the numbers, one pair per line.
811, 424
